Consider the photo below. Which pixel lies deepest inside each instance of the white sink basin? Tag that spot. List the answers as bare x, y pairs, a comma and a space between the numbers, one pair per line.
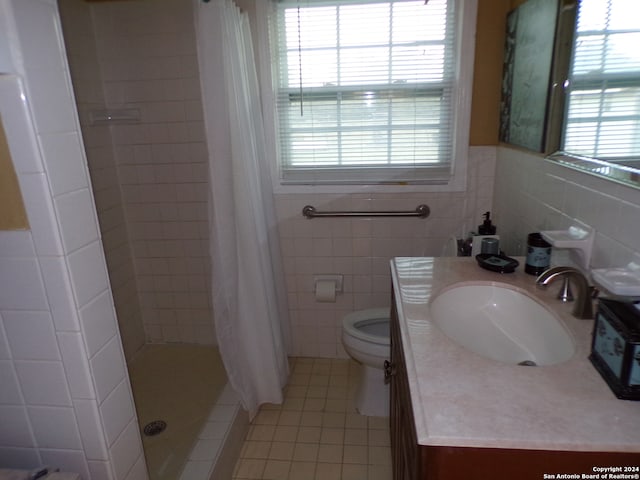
502, 324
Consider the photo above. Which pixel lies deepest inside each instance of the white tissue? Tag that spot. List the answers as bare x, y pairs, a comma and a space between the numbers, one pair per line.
326, 291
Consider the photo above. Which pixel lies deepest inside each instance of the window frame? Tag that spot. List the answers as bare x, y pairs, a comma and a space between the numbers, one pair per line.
465, 23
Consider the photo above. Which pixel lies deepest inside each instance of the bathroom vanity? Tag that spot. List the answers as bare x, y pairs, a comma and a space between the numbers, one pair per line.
456, 414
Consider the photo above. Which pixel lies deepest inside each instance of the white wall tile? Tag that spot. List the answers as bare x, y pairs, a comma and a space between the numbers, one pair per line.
31, 335
10, 391
19, 458
99, 470
117, 411
65, 162
76, 214
43, 383
88, 273
612, 209
16, 243
66, 460
18, 126
58, 286
15, 431
22, 287
126, 451
90, 427
39, 34
76, 365
108, 368
98, 322
55, 427
5, 353
41, 214
52, 102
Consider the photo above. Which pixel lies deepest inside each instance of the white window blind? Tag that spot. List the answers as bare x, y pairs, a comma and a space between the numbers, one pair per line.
365, 90
603, 103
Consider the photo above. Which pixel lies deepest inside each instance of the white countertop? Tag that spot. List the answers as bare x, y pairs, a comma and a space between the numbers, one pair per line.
462, 399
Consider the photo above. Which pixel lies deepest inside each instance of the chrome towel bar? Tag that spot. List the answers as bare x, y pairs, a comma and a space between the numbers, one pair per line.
421, 211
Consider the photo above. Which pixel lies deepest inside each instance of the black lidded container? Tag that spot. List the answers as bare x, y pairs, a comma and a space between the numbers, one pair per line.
538, 254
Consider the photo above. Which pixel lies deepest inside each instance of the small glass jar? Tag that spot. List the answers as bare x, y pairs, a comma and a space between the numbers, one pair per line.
538, 254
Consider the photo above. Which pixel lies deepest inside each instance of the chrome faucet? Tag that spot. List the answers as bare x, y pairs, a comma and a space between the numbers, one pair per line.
582, 308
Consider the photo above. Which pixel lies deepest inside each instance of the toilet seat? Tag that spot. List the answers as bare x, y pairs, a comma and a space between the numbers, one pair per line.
370, 325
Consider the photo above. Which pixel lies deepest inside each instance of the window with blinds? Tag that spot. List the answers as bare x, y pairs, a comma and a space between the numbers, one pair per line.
365, 90
602, 118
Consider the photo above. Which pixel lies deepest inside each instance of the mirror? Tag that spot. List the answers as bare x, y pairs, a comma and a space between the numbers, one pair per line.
547, 113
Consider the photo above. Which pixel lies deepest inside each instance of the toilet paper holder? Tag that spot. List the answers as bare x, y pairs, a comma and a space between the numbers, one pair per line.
330, 277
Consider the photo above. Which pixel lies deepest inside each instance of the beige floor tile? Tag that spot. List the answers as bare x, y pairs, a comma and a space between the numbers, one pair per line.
309, 434
333, 436
302, 471
333, 420
293, 403
380, 472
355, 454
338, 381
380, 455
261, 432
379, 438
300, 379
337, 393
311, 419
250, 468
336, 405
318, 434
256, 449
317, 391
339, 366
285, 433
355, 436
266, 417
378, 423
319, 380
276, 470
302, 367
330, 453
354, 472
281, 451
321, 368
328, 471
354, 420
290, 418
314, 404
305, 452
296, 391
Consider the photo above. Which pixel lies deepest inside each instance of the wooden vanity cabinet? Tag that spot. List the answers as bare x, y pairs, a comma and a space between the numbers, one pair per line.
417, 462
405, 451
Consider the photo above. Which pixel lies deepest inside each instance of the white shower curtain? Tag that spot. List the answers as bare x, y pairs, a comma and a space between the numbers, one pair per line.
249, 301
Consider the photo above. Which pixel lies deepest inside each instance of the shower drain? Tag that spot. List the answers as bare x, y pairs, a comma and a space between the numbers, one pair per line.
528, 363
154, 428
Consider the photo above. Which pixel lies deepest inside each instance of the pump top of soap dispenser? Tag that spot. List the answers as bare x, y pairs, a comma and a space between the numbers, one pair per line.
487, 228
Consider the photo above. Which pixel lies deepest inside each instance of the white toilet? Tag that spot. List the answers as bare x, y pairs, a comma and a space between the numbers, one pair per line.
365, 336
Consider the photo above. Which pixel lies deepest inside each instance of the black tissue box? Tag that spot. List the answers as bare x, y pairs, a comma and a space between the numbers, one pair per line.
615, 348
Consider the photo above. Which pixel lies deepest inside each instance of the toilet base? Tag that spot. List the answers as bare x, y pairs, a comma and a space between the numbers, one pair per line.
372, 394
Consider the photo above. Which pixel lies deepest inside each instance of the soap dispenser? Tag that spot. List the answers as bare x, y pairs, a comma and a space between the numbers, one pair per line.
487, 228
